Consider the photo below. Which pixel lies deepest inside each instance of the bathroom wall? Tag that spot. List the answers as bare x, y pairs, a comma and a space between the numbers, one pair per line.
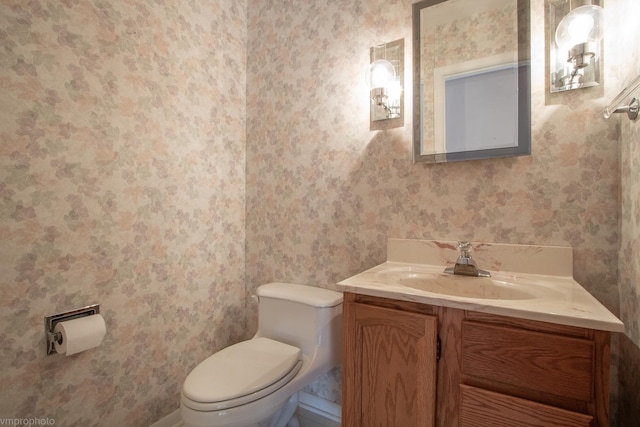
123, 183
629, 259
630, 276
324, 192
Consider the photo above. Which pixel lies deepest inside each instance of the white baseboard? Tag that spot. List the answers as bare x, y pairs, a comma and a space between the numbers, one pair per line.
320, 406
310, 402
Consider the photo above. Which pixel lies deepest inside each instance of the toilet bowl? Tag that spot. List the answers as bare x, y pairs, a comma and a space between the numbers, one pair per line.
256, 382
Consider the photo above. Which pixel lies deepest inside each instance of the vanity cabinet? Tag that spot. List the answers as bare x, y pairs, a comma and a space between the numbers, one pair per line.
389, 369
492, 370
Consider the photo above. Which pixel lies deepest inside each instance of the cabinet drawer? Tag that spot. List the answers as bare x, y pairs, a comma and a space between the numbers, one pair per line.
481, 408
546, 363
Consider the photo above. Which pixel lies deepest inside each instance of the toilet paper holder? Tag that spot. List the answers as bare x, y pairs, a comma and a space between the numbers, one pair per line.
51, 321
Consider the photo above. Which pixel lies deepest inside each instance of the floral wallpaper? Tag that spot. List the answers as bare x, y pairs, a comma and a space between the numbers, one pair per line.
630, 275
122, 157
629, 256
324, 193
153, 152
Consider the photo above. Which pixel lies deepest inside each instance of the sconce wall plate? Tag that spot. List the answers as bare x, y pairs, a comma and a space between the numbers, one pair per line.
387, 103
573, 64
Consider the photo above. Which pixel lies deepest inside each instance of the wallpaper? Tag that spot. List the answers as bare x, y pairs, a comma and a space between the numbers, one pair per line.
324, 193
629, 257
630, 235
122, 156
630, 274
154, 151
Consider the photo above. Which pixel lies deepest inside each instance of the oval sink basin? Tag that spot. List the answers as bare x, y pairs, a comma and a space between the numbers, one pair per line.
459, 286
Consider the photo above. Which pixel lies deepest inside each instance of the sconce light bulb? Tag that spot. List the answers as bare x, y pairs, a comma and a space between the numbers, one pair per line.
380, 74
582, 25
394, 88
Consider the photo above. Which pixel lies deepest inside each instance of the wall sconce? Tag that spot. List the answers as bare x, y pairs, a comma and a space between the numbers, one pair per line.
576, 31
384, 77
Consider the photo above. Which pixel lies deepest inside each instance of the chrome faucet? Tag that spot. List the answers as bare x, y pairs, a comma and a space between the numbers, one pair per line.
466, 265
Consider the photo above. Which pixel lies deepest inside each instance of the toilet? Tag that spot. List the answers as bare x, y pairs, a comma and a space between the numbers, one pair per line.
255, 383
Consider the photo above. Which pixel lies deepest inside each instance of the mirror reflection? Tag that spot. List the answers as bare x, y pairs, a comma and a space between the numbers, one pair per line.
471, 79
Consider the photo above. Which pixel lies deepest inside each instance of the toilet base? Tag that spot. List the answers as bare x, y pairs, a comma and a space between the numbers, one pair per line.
285, 414
283, 417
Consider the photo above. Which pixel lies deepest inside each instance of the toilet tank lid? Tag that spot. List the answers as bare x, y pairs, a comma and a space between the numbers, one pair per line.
309, 295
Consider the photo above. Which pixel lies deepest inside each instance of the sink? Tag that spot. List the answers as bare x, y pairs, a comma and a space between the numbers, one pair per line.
527, 281
456, 286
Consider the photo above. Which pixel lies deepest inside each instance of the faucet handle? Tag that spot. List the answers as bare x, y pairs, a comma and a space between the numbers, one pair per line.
465, 249
465, 265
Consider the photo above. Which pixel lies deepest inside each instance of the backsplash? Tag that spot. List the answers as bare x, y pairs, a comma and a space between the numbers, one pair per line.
123, 177
506, 257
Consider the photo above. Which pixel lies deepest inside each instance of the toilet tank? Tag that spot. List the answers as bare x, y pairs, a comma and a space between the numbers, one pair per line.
307, 317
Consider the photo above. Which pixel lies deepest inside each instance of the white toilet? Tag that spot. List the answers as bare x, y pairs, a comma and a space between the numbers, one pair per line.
256, 382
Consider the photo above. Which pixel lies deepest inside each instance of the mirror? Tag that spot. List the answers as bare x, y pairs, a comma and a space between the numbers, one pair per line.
471, 80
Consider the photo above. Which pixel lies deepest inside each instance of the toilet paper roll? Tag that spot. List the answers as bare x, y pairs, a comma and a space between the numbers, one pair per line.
80, 334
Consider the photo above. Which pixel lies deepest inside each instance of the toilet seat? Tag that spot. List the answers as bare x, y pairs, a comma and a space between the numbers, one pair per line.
240, 374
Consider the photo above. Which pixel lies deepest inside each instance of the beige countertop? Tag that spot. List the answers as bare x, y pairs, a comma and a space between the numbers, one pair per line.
527, 281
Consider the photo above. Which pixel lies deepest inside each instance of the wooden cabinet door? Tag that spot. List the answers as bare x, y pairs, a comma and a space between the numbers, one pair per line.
389, 369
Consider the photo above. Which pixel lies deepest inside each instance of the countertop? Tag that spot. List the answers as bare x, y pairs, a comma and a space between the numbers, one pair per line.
534, 282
